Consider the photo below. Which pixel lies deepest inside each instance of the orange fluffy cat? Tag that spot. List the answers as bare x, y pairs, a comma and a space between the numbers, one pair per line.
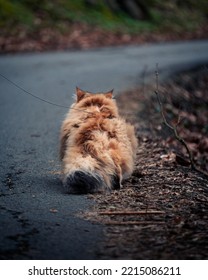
97, 146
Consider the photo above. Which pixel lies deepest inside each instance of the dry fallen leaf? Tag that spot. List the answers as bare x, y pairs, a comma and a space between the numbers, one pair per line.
52, 210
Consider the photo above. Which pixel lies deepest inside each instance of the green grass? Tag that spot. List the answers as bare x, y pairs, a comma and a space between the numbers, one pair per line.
60, 14
12, 13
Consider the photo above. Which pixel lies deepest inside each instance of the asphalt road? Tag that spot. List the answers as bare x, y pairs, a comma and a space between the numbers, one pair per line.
37, 218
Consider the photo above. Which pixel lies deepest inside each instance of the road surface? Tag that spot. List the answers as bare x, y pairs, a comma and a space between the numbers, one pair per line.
38, 219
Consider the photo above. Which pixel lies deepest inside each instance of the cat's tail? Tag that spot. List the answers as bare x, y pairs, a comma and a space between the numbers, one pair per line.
83, 182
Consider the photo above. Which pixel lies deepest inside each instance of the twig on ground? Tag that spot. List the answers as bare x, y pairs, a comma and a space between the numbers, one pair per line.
137, 223
131, 212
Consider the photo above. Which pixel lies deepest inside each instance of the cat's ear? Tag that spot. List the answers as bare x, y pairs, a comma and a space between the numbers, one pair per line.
80, 94
109, 94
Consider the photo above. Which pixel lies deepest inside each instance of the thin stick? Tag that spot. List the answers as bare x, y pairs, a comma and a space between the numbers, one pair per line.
175, 131
129, 223
131, 213
174, 128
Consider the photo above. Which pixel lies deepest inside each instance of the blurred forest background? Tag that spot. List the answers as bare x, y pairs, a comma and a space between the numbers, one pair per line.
61, 24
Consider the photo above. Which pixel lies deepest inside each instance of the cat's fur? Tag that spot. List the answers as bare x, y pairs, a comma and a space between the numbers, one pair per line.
97, 146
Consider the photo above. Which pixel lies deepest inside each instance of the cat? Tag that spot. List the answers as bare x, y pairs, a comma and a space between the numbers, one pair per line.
97, 146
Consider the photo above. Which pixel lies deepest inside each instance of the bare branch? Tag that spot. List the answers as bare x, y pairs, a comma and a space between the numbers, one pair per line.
174, 128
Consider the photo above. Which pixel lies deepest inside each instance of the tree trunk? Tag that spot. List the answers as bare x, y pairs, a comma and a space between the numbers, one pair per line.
137, 9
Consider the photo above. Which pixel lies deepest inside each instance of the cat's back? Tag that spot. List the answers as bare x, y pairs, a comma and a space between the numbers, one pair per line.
97, 150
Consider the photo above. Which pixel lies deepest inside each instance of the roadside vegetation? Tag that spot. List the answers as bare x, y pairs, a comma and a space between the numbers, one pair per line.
110, 15
122, 21
161, 210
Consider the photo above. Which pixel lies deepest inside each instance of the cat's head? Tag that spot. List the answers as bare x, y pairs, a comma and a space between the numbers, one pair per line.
81, 94
100, 102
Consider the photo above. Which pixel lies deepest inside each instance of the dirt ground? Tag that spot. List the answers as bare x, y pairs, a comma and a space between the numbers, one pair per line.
162, 210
